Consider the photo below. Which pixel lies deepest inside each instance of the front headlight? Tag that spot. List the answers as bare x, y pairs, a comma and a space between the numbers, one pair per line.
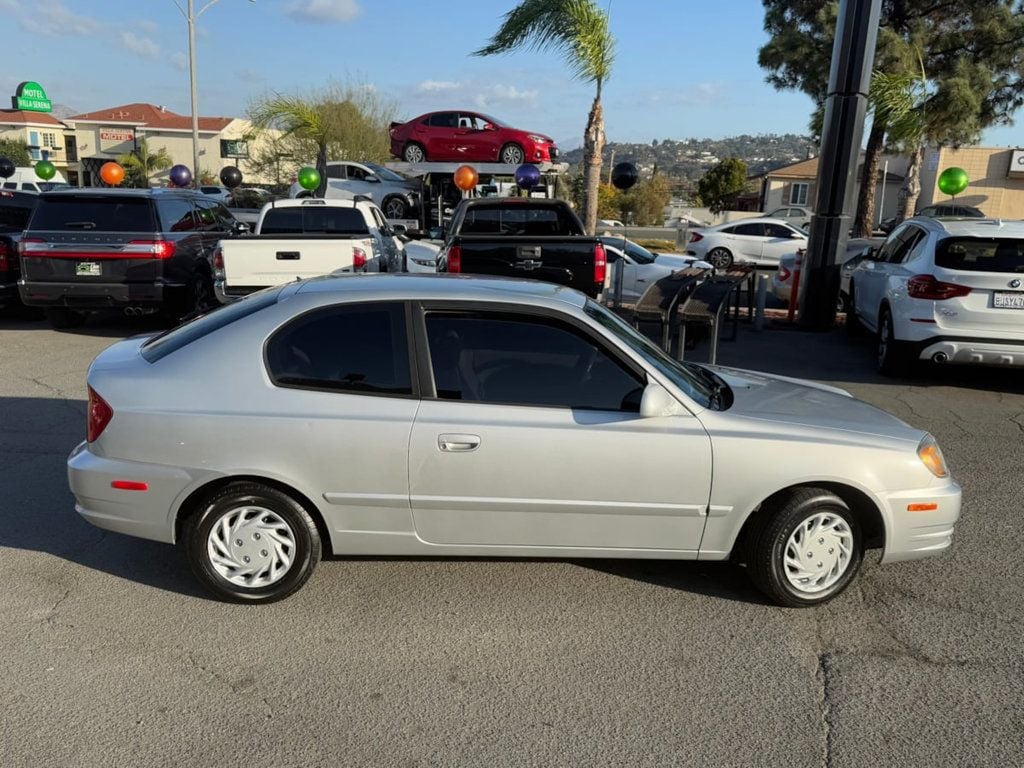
931, 456
538, 139
425, 262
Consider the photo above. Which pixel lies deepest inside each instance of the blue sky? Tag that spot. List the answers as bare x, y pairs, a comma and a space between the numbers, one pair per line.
683, 69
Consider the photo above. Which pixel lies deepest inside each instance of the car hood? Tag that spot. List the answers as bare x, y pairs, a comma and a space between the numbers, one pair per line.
807, 403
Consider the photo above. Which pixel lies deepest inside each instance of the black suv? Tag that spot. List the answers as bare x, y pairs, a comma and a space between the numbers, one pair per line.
139, 250
15, 210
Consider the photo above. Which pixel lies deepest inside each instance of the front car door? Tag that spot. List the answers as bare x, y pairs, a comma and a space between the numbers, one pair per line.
529, 437
780, 241
747, 240
872, 277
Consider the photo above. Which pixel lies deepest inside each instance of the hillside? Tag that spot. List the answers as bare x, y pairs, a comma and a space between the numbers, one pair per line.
686, 160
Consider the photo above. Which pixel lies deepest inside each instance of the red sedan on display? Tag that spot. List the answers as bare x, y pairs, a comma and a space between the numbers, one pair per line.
456, 136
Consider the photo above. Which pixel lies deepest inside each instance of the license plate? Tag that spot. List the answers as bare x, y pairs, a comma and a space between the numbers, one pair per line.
87, 268
1008, 299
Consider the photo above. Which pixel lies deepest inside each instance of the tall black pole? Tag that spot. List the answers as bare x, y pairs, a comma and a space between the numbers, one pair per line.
853, 56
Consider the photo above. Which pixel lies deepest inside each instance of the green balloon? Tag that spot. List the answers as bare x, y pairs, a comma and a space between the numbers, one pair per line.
45, 170
953, 181
309, 178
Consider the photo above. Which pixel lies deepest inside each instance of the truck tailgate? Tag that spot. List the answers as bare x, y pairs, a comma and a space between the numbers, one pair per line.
563, 260
252, 263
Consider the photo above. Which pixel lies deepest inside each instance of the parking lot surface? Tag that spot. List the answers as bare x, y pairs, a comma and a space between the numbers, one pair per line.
111, 655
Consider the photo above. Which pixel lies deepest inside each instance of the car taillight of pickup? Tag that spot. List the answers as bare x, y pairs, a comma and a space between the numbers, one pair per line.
533, 238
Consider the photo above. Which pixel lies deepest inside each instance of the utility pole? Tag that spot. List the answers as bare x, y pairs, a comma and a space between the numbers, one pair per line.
853, 55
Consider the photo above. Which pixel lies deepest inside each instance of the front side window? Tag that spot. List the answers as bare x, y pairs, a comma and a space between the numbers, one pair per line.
751, 230
513, 359
177, 214
777, 230
360, 348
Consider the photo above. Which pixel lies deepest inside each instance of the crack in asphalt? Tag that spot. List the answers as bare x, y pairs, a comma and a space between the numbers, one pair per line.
824, 676
236, 687
1016, 419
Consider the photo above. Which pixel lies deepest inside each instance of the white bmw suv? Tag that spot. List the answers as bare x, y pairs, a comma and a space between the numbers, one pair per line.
945, 290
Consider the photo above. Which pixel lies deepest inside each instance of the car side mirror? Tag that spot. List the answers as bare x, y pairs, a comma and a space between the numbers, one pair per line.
415, 234
241, 228
399, 229
436, 233
656, 402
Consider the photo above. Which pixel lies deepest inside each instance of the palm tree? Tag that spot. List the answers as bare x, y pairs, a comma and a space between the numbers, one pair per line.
577, 29
301, 118
899, 102
141, 163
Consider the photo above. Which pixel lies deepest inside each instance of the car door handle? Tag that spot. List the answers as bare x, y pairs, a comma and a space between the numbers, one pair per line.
458, 443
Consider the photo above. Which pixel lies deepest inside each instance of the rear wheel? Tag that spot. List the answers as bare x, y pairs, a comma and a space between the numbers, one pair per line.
199, 294
720, 258
808, 551
893, 356
512, 154
252, 543
414, 153
61, 318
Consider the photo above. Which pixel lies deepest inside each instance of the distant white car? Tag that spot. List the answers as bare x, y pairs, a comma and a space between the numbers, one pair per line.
220, 194
640, 267
421, 256
685, 220
856, 251
609, 223
756, 241
397, 196
945, 290
797, 215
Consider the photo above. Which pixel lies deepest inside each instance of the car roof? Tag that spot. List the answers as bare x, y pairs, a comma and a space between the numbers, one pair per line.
753, 220
397, 286
317, 202
971, 227
118, 192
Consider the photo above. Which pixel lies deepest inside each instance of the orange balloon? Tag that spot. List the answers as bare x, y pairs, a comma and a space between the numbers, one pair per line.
466, 177
112, 173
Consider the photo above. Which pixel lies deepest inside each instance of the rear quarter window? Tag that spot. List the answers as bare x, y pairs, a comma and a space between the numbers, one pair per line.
314, 221
976, 254
86, 213
520, 220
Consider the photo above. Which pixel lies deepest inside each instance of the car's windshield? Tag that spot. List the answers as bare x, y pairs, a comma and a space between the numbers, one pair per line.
639, 254
699, 390
493, 121
384, 174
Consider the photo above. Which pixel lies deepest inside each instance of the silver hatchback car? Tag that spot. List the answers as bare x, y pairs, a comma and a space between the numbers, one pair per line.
446, 415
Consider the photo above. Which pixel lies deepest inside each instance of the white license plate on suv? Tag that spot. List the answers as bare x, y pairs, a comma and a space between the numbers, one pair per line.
93, 268
1008, 299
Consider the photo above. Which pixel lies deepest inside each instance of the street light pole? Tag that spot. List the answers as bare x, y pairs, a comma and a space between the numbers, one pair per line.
190, 17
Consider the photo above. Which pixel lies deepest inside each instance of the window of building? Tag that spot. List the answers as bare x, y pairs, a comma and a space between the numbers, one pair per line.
798, 194
512, 359
361, 348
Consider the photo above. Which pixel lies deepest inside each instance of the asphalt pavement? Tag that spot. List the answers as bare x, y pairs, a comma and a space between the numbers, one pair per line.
111, 655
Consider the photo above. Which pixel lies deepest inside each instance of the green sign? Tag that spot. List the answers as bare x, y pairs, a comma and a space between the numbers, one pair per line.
31, 97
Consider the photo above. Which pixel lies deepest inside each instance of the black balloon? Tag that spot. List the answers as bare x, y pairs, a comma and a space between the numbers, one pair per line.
624, 175
6, 168
230, 177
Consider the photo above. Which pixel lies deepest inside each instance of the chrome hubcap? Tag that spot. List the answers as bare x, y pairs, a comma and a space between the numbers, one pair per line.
512, 156
414, 155
251, 546
818, 553
395, 209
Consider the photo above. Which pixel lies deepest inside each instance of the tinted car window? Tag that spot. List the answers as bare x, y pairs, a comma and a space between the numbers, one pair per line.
75, 213
755, 230
359, 348
214, 215
521, 360
445, 120
14, 216
177, 214
905, 243
313, 221
335, 172
976, 254
170, 341
519, 219
777, 230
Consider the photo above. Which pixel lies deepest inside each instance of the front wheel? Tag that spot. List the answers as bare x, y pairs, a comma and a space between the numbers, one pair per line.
720, 258
808, 551
251, 543
512, 154
395, 208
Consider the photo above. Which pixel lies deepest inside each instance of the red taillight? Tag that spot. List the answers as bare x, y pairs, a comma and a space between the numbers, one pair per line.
455, 258
158, 249
99, 416
129, 485
358, 260
927, 287
5, 257
600, 264
784, 274
218, 259
695, 236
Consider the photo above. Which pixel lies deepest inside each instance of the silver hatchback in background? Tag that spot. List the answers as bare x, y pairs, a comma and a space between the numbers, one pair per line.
444, 415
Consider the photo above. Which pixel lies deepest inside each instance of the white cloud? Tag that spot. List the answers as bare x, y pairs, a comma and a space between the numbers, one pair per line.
504, 94
147, 26
179, 61
53, 19
140, 45
319, 11
431, 86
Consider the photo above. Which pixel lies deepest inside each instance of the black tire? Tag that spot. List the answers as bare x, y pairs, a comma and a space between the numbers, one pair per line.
413, 150
199, 294
841, 303
853, 324
719, 258
767, 544
61, 319
512, 154
227, 501
893, 356
395, 207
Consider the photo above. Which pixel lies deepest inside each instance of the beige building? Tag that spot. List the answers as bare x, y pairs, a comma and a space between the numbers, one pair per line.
44, 134
103, 135
797, 184
996, 179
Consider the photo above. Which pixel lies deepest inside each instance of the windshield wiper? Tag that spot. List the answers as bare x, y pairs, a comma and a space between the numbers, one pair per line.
715, 383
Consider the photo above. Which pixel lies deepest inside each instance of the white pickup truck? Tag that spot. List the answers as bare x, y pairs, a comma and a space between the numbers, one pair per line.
305, 238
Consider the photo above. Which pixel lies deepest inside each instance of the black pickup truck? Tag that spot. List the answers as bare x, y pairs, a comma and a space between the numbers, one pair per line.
15, 210
534, 238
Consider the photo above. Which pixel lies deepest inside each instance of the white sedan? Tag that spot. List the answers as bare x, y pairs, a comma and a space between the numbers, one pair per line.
639, 266
757, 241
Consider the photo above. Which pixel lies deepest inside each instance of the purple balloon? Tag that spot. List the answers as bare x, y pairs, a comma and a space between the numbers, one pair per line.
180, 175
527, 176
